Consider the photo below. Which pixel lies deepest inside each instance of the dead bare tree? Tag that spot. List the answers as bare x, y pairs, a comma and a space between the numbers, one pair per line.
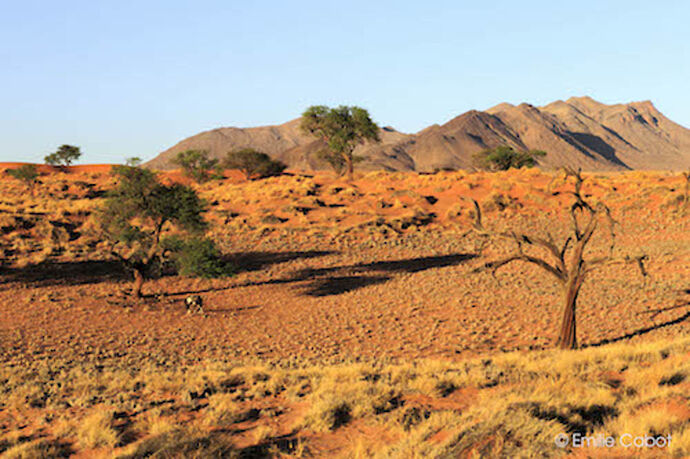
566, 261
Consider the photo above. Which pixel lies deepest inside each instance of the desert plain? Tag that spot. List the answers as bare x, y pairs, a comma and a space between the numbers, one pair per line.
355, 324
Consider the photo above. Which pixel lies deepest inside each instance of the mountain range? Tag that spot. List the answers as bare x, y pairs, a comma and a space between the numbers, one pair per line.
578, 132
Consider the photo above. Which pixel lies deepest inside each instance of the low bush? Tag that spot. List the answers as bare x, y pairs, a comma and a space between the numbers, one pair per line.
197, 257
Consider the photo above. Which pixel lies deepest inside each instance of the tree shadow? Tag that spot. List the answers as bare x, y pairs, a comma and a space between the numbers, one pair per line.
51, 273
254, 261
333, 280
656, 312
410, 265
341, 279
415, 265
240, 309
641, 331
342, 284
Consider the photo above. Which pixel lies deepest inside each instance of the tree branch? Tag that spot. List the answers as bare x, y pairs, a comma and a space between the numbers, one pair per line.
495, 265
520, 239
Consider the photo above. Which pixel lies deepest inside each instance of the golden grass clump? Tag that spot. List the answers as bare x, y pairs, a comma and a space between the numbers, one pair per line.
37, 449
96, 430
222, 410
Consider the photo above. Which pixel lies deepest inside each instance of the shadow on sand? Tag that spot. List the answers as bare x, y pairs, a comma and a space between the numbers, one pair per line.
254, 261
643, 331
51, 273
341, 279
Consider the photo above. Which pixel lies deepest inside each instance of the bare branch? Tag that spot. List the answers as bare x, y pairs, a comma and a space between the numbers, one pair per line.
520, 239
495, 265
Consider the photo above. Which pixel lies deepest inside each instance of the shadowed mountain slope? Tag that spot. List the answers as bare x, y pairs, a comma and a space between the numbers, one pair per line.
579, 132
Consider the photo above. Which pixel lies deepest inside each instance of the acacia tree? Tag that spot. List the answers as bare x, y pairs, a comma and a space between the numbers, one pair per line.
253, 164
504, 157
566, 262
137, 212
133, 161
64, 156
342, 128
27, 173
196, 164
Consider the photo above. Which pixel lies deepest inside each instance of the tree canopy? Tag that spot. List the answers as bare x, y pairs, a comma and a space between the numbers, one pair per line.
64, 156
505, 157
196, 164
342, 129
253, 163
137, 211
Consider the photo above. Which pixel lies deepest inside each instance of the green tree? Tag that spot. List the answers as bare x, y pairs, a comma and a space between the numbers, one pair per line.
196, 164
64, 156
27, 174
505, 157
253, 164
134, 161
137, 212
342, 128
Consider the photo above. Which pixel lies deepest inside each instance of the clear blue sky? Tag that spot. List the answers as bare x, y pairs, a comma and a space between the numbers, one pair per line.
131, 78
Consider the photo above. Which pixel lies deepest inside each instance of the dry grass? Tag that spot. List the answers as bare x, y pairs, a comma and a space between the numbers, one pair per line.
364, 365
511, 404
96, 430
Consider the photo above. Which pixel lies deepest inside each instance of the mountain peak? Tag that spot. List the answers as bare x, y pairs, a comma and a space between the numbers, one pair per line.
577, 132
648, 104
500, 108
584, 99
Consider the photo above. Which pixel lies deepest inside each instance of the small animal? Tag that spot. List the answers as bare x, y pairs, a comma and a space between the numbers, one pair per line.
194, 304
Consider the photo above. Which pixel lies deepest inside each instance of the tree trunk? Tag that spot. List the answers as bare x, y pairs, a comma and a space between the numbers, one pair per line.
138, 282
350, 167
568, 336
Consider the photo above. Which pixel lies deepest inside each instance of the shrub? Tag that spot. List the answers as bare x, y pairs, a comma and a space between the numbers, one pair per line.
196, 164
504, 157
27, 174
97, 430
198, 257
253, 164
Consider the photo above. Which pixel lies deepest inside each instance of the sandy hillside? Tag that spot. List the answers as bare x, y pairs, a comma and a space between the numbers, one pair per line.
578, 132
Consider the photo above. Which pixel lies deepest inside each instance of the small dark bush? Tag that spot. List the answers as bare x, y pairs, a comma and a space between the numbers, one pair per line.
26, 173
253, 164
197, 164
504, 157
197, 257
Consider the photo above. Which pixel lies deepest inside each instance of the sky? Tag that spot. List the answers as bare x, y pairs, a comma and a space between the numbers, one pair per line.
132, 78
